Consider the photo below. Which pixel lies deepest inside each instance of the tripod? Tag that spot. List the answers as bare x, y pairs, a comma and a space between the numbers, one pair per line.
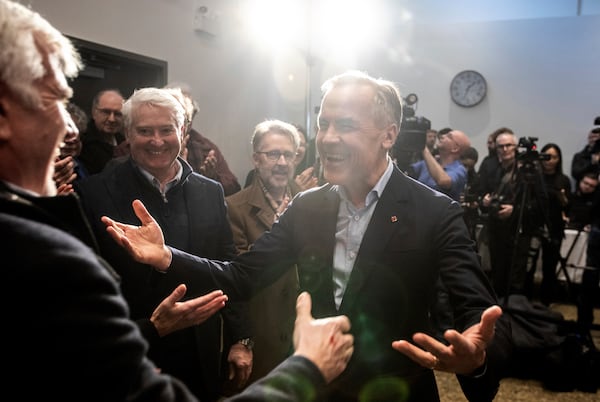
563, 264
528, 192
529, 189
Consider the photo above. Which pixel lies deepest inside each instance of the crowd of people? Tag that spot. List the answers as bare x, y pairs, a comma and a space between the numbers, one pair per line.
518, 204
158, 277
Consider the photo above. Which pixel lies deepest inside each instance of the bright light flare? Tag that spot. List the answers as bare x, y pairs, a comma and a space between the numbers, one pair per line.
325, 27
346, 26
275, 23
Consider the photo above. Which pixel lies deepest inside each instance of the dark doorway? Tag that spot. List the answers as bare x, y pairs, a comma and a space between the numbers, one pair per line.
107, 67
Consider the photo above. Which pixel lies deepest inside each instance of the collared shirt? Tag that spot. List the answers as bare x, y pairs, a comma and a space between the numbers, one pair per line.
156, 183
456, 171
351, 226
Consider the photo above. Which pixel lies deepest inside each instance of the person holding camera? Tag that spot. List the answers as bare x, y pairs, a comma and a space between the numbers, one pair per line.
588, 158
509, 229
445, 173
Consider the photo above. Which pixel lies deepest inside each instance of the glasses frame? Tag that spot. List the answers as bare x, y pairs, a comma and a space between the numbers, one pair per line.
275, 155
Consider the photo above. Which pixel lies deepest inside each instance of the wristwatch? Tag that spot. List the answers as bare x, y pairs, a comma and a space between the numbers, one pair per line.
247, 342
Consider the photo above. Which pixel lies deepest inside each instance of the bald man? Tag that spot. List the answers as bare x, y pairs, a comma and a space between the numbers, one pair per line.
446, 173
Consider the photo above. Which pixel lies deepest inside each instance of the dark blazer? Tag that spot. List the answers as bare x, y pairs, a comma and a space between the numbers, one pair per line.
415, 236
96, 152
74, 341
194, 218
75, 322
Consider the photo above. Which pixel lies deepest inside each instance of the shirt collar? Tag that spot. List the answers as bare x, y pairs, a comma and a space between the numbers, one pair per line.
377, 190
155, 181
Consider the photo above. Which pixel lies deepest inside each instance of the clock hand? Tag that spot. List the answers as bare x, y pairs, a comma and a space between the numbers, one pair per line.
469, 88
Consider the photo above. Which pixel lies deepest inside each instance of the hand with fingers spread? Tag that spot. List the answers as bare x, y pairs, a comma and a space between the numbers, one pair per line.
466, 352
172, 314
145, 243
324, 341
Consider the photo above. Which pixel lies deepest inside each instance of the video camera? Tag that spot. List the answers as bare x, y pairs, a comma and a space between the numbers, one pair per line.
528, 157
412, 135
527, 150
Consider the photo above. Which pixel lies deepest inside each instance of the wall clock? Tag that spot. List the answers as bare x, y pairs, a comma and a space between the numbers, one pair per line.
468, 88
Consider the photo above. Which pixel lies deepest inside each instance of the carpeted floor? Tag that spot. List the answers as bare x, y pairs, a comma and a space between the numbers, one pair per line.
519, 390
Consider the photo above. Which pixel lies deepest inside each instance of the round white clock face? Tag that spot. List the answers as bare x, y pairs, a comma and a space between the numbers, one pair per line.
468, 88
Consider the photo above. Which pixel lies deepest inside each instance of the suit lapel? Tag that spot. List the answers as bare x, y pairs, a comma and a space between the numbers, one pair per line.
264, 212
315, 271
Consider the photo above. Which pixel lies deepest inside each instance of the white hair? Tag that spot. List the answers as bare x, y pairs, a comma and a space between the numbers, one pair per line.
154, 97
25, 37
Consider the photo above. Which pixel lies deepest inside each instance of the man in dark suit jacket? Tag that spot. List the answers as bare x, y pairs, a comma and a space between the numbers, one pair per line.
191, 209
70, 336
371, 245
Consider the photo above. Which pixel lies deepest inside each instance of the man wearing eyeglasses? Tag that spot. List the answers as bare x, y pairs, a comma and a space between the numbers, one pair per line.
104, 139
252, 212
508, 260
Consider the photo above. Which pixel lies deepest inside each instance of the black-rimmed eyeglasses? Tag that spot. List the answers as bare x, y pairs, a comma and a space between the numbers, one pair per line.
275, 155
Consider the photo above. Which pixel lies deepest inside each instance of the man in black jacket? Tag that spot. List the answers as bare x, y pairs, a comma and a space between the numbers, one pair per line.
70, 337
191, 209
371, 245
588, 159
103, 139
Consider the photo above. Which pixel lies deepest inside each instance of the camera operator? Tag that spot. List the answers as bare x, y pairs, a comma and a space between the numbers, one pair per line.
446, 173
509, 228
588, 158
558, 189
490, 165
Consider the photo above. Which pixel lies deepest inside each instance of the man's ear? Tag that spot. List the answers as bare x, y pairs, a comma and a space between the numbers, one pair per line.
391, 134
255, 159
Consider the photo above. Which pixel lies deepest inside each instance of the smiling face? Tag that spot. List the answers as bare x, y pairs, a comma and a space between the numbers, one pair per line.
352, 146
155, 140
31, 137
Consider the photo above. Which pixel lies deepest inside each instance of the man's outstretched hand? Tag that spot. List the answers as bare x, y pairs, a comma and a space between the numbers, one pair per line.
465, 353
324, 341
172, 314
145, 243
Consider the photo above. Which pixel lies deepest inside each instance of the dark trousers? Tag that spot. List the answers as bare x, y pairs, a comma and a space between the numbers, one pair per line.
508, 256
589, 281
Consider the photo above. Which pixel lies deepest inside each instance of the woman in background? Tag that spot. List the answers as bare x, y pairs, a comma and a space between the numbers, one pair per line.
558, 189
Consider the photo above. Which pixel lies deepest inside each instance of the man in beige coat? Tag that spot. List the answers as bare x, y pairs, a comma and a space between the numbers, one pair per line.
252, 211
